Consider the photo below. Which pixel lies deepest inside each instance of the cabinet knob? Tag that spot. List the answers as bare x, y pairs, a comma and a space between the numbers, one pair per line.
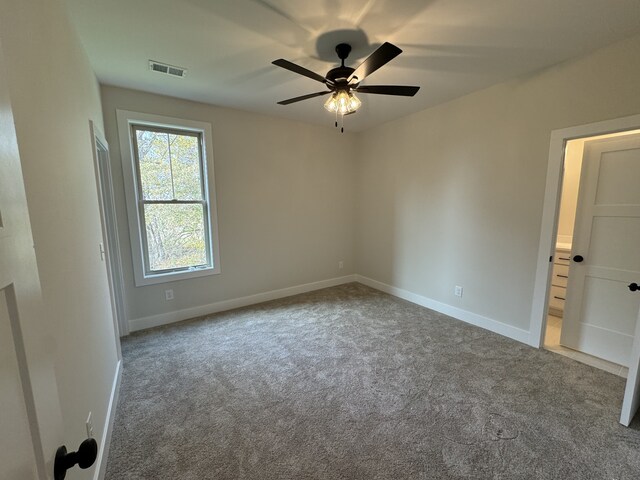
634, 287
578, 258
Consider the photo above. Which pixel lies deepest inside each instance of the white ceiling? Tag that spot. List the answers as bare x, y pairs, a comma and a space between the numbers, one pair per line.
451, 47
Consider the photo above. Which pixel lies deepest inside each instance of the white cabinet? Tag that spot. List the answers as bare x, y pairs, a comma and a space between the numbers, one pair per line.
558, 292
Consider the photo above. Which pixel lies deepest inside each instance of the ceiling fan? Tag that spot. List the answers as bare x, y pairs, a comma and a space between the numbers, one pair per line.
343, 82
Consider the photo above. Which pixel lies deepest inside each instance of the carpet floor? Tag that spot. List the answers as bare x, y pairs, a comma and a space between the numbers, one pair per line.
350, 383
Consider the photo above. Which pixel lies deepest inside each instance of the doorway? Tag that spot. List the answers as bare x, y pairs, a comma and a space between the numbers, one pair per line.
578, 327
626, 265
111, 248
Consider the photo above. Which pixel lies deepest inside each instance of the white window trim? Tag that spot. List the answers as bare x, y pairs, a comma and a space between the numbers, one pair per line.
125, 120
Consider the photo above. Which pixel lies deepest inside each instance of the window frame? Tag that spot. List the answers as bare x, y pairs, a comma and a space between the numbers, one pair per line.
127, 123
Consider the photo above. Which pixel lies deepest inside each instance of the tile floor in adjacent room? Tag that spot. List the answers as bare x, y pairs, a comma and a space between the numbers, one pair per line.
552, 343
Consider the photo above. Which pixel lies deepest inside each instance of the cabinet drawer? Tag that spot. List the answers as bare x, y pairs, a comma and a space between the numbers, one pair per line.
560, 275
562, 257
557, 296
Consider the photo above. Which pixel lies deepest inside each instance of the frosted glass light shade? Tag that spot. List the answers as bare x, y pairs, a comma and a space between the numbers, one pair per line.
342, 102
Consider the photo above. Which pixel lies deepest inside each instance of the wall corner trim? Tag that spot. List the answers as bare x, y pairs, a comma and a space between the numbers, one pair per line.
103, 452
459, 314
192, 312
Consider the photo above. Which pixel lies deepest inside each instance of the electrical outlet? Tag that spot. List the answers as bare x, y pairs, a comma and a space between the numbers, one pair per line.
168, 294
458, 291
340, 265
89, 426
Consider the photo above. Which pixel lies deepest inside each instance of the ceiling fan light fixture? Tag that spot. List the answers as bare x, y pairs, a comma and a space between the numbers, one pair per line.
331, 105
354, 102
342, 102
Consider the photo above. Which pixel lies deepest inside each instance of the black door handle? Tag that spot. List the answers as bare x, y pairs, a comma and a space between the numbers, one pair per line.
84, 457
634, 287
578, 258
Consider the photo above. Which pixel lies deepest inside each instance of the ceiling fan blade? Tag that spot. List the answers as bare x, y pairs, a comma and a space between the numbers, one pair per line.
303, 97
384, 54
402, 90
281, 62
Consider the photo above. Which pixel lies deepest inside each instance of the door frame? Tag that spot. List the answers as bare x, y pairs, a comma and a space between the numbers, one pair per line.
551, 208
629, 403
111, 244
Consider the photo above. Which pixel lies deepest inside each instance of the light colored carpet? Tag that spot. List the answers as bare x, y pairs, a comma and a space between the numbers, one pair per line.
350, 383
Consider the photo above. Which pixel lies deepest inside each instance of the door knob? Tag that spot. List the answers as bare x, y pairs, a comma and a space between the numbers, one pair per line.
84, 457
634, 287
578, 258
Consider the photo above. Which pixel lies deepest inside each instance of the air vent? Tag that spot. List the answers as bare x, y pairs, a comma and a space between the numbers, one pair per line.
167, 69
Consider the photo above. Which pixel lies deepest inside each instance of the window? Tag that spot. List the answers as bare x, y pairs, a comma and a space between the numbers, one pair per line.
167, 164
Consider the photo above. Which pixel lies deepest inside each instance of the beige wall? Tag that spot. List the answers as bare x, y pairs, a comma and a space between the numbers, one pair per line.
54, 94
285, 203
570, 186
453, 195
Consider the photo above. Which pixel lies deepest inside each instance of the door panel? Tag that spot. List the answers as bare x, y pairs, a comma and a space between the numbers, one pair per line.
603, 296
602, 334
609, 238
600, 311
30, 418
16, 449
619, 174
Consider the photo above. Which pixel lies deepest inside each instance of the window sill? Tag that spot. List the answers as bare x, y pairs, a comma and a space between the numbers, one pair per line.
175, 276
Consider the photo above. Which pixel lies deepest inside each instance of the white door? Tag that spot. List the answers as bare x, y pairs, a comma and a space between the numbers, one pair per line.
631, 400
601, 312
30, 419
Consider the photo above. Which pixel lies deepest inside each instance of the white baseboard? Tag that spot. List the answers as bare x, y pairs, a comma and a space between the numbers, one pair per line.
103, 448
455, 312
192, 312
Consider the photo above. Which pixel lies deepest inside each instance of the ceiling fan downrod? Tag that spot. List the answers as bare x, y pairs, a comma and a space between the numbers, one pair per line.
343, 50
